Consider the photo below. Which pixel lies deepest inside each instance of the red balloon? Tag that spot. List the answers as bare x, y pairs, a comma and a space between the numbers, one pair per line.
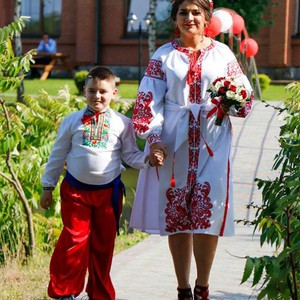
214, 27
249, 46
238, 23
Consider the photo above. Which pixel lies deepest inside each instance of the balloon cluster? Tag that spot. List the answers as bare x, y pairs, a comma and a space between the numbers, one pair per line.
229, 21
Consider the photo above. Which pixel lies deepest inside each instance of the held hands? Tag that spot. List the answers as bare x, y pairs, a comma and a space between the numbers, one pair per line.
46, 199
157, 154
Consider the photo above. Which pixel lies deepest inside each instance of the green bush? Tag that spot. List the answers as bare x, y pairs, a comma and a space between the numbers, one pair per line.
278, 217
264, 81
79, 79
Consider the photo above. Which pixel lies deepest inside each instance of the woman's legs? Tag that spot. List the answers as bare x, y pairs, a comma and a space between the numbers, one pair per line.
204, 247
181, 247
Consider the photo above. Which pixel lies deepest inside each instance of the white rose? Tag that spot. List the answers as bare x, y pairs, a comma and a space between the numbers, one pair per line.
230, 94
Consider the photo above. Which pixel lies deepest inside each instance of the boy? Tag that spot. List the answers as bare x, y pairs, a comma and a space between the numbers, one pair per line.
92, 142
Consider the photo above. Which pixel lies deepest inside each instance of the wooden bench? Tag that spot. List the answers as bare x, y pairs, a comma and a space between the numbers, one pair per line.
58, 61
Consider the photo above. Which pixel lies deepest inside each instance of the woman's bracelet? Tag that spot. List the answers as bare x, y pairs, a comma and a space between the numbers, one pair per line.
48, 188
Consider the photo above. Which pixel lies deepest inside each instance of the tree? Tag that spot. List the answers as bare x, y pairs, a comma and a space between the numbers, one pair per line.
252, 11
152, 27
18, 46
11, 74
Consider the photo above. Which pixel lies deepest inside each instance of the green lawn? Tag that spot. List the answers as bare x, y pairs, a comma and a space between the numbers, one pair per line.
126, 90
52, 85
275, 92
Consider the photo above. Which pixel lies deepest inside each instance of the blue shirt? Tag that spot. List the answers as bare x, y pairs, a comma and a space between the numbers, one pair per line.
49, 47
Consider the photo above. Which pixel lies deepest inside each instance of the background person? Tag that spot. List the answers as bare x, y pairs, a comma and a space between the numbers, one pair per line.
46, 46
92, 142
189, 198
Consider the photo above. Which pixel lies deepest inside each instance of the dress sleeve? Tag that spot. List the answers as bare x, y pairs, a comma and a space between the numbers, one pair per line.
149, 106
234, 70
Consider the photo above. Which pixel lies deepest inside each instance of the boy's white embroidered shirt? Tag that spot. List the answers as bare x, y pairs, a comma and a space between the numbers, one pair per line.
92, 161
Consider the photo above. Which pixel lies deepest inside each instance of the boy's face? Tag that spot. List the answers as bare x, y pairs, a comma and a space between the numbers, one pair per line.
99, 93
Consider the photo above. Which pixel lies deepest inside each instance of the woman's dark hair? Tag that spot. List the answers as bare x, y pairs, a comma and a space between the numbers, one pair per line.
203, 4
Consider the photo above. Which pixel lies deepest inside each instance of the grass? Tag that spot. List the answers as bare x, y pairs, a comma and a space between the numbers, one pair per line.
19, 280
126, 90
52, 85
275, 93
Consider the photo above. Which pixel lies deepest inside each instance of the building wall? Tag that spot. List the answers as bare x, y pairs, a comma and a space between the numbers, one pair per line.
88, 42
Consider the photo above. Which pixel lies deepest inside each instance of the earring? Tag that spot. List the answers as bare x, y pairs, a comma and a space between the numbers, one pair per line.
176, 32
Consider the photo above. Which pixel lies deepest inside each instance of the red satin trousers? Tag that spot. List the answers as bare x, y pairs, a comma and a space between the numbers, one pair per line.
86, 244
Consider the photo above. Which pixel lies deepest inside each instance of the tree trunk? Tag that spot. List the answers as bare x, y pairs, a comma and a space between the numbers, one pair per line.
152, 27
18, 48
15, 180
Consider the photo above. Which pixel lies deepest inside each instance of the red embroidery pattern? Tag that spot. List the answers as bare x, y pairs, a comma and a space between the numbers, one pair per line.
154, 70
153, 138
201, 206
189, 208
177, 217
186, 214
243, 112
234, 69
142, 112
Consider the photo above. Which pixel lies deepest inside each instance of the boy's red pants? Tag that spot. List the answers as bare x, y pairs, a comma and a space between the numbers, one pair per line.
86, 243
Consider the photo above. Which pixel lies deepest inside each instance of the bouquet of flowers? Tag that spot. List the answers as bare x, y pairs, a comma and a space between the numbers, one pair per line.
226, 92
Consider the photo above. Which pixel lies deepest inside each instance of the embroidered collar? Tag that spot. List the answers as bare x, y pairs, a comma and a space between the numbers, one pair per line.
89, 113
176, 44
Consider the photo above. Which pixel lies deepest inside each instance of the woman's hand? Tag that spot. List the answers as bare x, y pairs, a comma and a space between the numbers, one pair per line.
46, 199
157, 154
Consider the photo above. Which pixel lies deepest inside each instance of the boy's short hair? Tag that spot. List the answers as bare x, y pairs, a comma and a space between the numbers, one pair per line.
100, 73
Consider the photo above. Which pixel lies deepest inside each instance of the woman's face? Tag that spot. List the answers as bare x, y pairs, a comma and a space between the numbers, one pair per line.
190, 19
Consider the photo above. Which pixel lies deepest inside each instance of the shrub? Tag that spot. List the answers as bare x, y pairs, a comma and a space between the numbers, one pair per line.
278, 217
79, 79
264, 81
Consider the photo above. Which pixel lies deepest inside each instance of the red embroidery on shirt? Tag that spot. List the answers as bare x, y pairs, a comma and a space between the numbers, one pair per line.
234, 69
153, 138
154, 69
142, 112
243, 112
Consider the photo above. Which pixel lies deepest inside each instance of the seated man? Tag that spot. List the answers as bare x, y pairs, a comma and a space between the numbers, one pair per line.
46, 46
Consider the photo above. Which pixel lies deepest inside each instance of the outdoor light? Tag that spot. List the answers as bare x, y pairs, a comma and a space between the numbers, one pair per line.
132, 18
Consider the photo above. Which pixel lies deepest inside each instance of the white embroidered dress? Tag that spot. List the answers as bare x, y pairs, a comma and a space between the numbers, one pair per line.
171, 107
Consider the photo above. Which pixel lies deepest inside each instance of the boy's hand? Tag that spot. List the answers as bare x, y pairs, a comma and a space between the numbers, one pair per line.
46, 199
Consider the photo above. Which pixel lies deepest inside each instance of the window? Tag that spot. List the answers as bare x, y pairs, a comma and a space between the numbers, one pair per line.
140, 11
45, 16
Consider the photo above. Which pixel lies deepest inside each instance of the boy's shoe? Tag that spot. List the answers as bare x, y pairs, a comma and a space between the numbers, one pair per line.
71, 297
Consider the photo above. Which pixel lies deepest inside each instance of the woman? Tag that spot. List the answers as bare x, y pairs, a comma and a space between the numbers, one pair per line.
189, 198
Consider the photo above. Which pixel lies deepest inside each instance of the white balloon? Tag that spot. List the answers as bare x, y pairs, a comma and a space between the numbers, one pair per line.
225, 18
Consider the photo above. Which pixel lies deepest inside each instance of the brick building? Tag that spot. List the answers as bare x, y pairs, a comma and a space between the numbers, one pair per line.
97, 32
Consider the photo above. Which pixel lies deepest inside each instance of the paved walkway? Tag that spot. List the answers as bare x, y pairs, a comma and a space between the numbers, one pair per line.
145, 271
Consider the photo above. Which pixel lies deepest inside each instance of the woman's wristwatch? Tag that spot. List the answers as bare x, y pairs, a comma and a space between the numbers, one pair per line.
48, 188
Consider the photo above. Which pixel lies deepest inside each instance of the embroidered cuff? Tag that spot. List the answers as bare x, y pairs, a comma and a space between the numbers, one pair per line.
153, 138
